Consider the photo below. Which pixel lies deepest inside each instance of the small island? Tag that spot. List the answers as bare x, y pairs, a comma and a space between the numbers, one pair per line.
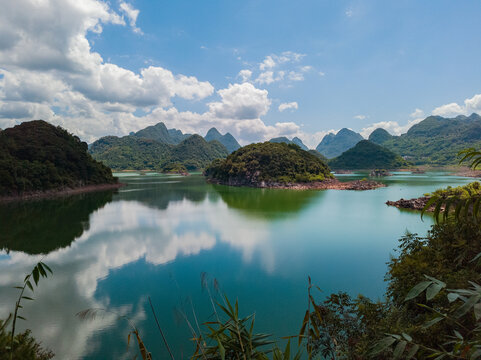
278, 165
40, 160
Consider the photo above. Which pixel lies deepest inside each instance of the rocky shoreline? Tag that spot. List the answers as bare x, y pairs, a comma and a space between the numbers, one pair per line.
332, 184
49, 194
412, 204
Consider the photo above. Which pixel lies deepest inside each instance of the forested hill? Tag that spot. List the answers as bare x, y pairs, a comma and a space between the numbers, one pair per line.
334, 145
380, 136
37, 156
437, 140
367, 155
135, 153
270, 163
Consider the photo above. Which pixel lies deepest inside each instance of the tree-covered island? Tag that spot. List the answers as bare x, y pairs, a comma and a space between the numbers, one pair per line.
278, 165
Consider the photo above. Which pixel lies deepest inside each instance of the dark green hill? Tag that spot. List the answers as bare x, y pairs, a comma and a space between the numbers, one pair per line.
334, 145
196, 153
380, 136
367, 155
37, 156
270, 163
318, 155
437, 140
227, 140
133, 153
130, 152
160, 133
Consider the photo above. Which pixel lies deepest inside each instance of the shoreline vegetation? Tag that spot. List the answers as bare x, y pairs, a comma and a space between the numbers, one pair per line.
446, 198
50, 194
329, 184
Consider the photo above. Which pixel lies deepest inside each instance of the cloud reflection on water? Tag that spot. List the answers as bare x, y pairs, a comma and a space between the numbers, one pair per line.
120, 233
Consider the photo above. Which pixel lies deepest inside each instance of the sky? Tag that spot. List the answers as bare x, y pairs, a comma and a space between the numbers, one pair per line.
255, 68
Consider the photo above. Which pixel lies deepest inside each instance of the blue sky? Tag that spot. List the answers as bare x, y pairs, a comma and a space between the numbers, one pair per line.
231, 64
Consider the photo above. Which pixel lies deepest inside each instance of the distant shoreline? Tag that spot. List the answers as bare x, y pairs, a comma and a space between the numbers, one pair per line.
49, 194
332, 184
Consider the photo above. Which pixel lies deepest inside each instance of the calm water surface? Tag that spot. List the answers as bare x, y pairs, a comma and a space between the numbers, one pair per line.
157, 235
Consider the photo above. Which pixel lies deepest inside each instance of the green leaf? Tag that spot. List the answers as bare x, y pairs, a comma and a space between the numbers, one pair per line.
36, 275
407, 337
221, 349
382, 345
46, 267
412, 352
432, 322
27, 298
452, 297
477, 311
418, 289
29, 284
21, 317
433, 290
399, 349
463, 309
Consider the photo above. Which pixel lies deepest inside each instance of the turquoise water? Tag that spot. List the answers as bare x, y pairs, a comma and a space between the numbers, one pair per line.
156, 236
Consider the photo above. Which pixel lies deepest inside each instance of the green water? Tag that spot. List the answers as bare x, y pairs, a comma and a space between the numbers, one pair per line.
156, 236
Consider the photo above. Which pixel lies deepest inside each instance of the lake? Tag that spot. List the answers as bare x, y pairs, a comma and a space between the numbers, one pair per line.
158, 235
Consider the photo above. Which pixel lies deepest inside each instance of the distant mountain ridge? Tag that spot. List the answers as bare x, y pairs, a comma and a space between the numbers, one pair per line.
227, 140
295, 140
160, 133
333, 145
437, 140
138, 153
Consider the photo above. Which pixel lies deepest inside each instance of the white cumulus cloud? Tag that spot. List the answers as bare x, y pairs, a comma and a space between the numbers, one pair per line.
285, 106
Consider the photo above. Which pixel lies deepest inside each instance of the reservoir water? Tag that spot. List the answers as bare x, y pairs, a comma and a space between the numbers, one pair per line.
160, 234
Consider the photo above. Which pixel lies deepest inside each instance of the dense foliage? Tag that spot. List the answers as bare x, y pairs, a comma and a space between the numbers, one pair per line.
196, 153
367, 155
268, 162
131, 152
356, 328
437, 140
334, 145
37, 156
227, 140
27, 348
379, 136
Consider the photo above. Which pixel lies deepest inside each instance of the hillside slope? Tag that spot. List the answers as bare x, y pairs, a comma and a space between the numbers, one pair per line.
367, 155
133, 153
380, 136
437, 140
